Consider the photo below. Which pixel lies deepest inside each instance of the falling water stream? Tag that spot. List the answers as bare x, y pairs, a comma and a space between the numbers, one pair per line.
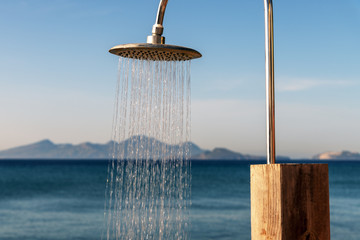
148, 185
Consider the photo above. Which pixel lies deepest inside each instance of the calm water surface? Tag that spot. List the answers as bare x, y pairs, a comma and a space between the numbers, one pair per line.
65, 199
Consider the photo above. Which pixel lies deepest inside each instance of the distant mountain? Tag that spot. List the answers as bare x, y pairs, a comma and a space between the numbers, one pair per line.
46, 149
226, 154
223, 154
344, 155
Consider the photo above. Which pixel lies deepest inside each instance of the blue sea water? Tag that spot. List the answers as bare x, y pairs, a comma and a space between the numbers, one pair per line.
61, 199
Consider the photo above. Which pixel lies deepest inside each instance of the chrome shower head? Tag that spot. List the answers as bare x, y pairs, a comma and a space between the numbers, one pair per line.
155, 52
155, 49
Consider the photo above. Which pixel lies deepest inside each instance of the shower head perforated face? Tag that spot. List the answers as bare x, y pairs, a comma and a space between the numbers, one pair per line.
155, 52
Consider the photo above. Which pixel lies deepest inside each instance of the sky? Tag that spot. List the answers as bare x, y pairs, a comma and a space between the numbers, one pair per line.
57, 79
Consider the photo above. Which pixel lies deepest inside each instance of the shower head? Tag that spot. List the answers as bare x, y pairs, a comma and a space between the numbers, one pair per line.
155, 49
155, 52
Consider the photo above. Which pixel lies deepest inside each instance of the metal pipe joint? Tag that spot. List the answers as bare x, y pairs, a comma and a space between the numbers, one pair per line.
155, 37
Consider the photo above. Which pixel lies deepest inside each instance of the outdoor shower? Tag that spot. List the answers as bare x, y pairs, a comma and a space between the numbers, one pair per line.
286, 199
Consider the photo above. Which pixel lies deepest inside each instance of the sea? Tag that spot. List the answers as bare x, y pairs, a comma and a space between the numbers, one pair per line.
64, 199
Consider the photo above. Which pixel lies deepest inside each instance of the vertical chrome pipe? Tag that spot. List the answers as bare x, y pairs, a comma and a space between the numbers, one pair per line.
269, 71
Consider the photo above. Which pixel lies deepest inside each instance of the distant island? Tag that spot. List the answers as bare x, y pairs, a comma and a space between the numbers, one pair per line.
343, 155
46, 149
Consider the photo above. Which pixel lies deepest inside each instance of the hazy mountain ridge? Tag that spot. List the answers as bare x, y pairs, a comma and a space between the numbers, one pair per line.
223, 154
46, 149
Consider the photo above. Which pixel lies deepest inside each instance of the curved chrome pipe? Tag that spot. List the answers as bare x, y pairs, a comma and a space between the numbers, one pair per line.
161, 12
269, 71
157, 30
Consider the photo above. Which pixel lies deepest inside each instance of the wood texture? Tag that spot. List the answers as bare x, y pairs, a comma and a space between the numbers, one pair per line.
290, 202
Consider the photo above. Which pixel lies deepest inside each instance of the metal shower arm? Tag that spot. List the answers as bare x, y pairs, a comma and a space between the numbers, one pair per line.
161, 12
157, 30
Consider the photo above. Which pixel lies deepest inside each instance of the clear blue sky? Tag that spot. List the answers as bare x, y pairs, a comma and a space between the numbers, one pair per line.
57, 79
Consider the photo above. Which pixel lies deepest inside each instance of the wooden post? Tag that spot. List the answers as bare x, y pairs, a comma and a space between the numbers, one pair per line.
290, 202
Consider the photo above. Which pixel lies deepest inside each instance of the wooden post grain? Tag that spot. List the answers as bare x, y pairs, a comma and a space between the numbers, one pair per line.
290, 202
